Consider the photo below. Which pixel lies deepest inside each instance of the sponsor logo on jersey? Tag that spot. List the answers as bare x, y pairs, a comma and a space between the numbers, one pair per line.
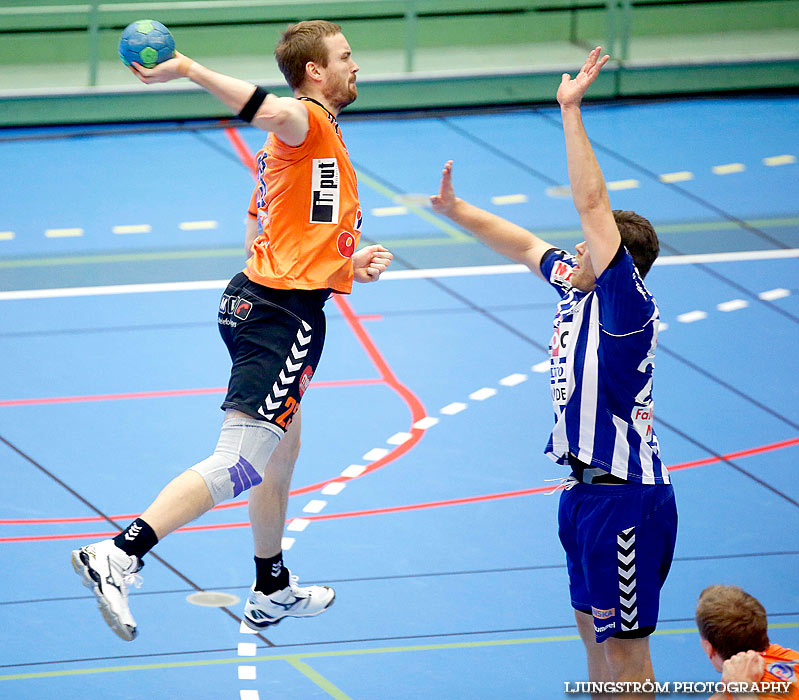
642, 420
345, 244
305, 379
603, 614
561, 274
242, 309
785, 671
599, 630
358, 219
325, 191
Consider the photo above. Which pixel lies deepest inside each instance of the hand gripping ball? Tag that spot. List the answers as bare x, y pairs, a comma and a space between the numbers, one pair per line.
146, 42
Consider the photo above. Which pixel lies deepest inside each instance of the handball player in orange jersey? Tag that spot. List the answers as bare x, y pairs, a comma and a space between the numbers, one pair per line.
271, 318
733, 631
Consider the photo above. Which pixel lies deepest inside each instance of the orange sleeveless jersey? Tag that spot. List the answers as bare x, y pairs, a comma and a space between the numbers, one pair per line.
307, 207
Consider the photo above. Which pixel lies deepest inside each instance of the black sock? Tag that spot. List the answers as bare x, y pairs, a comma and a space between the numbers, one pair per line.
270, 574
136, 539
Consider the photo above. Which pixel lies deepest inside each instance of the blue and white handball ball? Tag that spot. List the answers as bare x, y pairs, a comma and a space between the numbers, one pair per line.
146, 42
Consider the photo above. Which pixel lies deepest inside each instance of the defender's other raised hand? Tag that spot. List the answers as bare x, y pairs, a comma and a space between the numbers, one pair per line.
444, 201
571, 90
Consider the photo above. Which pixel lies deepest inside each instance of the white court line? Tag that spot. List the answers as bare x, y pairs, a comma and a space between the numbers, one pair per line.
513, 379
779, 160
681, 176
247, 649
630, 184
63, 232
286, 543
732, 305
197, 225
6, 235
246, 630
375, 453
728, 168
133, 228
248, 673
399, 438
509, 199
389, 211
559, 191
298, 524
440, 272
452, 408
425, 423
334, 488
482, 394
772, 294
541, 367
249, 695
353, 470
692, 316
314, 506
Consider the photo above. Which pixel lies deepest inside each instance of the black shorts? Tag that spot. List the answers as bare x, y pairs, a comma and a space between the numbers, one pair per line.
275, 339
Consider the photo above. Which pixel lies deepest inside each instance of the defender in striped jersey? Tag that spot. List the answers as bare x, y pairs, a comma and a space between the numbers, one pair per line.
617, 518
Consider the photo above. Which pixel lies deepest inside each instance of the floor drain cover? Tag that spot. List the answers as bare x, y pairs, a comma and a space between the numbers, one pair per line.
212, 599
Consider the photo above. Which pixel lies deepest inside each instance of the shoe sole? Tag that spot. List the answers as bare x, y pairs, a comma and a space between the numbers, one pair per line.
83, 570
257, 626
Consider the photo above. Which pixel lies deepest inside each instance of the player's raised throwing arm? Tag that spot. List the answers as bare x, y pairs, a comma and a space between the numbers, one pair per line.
504, 237
587, 183
284, 116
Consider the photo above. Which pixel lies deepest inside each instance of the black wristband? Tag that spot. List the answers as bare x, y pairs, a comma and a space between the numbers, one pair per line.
256, 100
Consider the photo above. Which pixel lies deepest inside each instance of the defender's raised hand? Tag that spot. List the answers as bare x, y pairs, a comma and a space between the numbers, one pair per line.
444, 201
571, 90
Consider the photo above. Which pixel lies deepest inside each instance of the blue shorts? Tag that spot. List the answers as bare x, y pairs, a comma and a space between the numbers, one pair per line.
619, 541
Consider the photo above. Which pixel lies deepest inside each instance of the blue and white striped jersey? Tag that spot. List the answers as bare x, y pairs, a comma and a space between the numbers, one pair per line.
602, 355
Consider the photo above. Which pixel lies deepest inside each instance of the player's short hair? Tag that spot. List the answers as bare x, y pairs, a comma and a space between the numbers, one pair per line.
731, 620
301, 43
639, 237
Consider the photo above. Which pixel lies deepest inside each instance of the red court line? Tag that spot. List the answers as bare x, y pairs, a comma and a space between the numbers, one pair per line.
376, 511
411, 400
414, 404
168, 393
244, 153
354, 321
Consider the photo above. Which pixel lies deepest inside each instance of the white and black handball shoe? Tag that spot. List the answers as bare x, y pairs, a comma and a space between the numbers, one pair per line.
108, 571
292, 601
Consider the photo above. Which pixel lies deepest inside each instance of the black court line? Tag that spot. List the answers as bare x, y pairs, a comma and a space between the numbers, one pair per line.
526, 338
105, 517
728, 462
729, 387
109, 329
213, 324
362, 640
650, 175
400, 577
441, 285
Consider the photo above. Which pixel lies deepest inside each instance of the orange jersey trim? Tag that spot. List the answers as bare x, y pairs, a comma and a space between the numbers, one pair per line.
309, 217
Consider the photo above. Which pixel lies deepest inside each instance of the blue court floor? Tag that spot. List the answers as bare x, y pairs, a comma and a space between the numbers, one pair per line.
421, 489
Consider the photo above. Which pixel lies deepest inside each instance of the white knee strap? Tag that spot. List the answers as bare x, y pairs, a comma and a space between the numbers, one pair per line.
239, 460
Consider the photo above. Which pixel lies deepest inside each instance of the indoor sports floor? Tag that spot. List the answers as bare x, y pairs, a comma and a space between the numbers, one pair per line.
421, 489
